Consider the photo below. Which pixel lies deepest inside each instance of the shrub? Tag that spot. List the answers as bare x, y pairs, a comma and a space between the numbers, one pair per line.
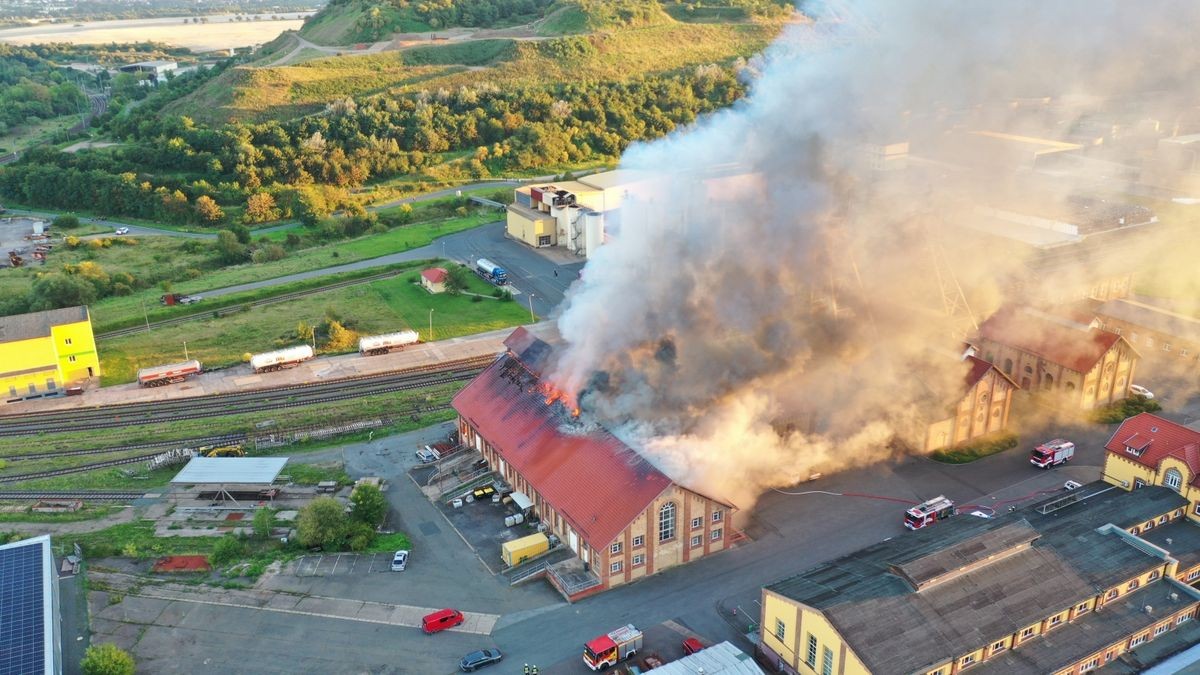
66, 222
226, 550
368, 505
476, 298
977, 449
106, 659
1122, 410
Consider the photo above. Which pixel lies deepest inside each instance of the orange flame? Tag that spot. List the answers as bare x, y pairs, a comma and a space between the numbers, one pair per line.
554, 395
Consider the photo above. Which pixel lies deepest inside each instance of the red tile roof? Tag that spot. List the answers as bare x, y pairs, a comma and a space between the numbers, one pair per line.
593, 479
1075, 349
979, 368
1157, 438
434, 275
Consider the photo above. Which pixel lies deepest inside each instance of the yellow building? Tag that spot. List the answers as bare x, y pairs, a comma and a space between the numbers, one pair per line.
1061, 587
570, 213
982, 409
43, 352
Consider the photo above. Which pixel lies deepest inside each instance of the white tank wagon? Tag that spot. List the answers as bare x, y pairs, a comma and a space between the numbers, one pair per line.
372, 345
172, 373
280, 359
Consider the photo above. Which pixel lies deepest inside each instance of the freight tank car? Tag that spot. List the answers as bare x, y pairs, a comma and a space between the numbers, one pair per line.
372, 345
169, 374
280, 359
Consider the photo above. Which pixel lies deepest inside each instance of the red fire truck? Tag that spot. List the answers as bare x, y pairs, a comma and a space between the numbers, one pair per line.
1052, 453
929, 512
617, 645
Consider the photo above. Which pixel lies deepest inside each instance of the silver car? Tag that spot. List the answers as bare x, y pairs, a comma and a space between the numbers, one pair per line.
399, 561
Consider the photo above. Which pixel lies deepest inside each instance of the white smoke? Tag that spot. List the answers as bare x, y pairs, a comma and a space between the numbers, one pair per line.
768, 306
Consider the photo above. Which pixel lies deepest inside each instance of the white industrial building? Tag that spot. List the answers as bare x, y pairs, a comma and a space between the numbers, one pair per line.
571, 214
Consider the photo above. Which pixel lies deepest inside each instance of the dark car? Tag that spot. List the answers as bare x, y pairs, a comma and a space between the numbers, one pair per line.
479, 659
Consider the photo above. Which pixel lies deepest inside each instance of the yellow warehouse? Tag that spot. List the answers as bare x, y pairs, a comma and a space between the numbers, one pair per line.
43, 352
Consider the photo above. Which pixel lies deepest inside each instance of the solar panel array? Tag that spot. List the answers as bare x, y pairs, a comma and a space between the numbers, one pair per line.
22, 624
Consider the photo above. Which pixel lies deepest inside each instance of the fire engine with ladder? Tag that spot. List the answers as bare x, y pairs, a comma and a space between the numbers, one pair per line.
617, 645
929, 512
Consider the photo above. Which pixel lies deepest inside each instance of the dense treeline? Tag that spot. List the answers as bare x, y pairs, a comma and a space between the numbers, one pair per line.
515, 129
33, 88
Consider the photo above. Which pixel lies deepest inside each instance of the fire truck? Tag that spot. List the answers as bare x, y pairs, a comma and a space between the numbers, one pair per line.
929, 512
617, 645
1052, 453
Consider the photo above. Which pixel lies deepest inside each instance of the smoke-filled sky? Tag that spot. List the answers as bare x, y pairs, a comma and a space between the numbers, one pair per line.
768, 306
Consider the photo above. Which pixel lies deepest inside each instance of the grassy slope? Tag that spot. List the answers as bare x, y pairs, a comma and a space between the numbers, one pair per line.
257, 94
337, 25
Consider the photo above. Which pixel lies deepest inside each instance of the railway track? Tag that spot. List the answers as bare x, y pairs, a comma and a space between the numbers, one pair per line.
197, 407
223, 439
91, 495
242, 306
91, 466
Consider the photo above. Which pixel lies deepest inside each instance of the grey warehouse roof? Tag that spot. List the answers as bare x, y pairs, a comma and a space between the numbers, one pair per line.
231, 470
1153, 318
38, 324
29, 617
914, 601
719, 659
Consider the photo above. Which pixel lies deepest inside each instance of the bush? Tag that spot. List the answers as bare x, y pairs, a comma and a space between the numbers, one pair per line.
476, 298
322, 523
264, 520
360, 536
226, 550
106, 659
368, 505
65, 222
976, 449
1122, 410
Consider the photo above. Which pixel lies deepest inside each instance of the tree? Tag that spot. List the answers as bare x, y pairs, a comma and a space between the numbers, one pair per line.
264, 520
208, 210
226, 550
229, 248
106, 659
368, 505
242, 233
322, 523
457, 279
65, 222
260, 208
340, 337
51, 291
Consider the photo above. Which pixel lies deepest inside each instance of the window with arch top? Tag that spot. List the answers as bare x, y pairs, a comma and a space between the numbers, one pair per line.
1173, 479
666, 521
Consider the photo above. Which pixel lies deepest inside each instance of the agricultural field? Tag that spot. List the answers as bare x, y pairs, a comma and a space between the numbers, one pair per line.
384, 306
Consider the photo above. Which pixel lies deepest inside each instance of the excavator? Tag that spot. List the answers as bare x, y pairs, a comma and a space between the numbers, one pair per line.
221, 451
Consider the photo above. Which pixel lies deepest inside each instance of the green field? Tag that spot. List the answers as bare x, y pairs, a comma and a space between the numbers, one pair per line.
27, 135
377, 307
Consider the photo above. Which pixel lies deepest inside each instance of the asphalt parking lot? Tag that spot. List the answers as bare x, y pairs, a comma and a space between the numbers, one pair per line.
341, 563
481, 525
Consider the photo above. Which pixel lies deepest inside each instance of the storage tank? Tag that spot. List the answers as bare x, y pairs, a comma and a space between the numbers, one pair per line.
381, 344
280, 358
593, 232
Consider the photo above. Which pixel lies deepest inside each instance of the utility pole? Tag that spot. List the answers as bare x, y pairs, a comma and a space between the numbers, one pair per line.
185, 354
532, 318
431, 324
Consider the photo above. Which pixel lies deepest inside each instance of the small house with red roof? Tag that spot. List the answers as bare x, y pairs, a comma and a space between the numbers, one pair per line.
621, 517
434, 279
982, 408
1080, 366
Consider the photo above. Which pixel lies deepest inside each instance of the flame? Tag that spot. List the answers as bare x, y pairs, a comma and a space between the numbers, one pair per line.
554, 395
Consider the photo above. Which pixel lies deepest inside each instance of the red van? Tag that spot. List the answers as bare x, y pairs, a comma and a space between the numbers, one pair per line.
441, 620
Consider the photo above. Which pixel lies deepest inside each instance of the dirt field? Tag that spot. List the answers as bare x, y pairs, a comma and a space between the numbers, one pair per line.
221, 32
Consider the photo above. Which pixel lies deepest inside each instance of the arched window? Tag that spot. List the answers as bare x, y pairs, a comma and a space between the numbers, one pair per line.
666, 521
1048, 382
1028, 370
1173, 479
1070, 386
1008, 365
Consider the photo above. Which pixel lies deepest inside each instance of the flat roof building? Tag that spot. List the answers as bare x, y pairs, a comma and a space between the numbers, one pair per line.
30, 634
41, 353
1062, 586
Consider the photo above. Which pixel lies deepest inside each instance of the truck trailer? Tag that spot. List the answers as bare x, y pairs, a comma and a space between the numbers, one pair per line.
491, 271
1052, 453
518, 551
607, 650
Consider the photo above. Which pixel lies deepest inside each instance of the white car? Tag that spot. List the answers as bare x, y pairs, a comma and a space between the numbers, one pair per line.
1139, 390
122, 230
399, 561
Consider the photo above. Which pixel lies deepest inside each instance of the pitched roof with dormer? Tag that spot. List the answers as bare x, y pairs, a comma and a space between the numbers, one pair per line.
1149, 439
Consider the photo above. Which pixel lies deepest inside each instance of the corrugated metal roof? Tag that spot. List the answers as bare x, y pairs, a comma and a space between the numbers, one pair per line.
593, 479
231, 470
1077, 350
719, 659
38, 324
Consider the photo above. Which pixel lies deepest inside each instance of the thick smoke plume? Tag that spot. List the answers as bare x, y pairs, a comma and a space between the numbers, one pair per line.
769, 305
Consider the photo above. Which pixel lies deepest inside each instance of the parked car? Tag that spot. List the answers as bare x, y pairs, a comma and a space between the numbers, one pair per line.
476, 660
691, 646
441, 620
122, 230
399, 561
1139, 390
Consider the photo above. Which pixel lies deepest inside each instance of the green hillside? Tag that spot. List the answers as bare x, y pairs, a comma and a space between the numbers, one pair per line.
345, 22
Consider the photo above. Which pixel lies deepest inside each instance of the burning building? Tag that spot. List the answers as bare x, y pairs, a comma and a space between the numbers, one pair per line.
622, 517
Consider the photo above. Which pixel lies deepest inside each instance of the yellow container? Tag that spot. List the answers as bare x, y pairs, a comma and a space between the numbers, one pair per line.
518, 551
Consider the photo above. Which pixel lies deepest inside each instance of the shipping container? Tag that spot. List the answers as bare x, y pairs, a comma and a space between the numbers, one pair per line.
518, 551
